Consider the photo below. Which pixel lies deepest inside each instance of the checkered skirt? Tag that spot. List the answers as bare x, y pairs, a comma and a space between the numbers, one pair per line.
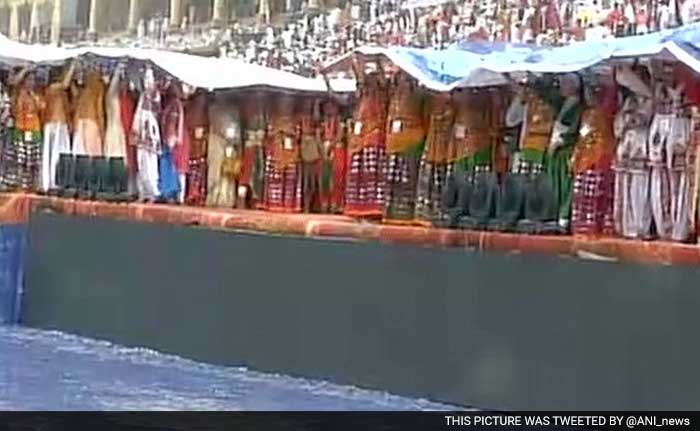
365, 182
593, 201
20, 161
401, 184
432, 180
282, 191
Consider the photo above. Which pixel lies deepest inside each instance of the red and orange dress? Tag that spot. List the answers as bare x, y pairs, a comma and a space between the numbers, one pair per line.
283, 176
364, 195
21, 159
594, 178
335, 159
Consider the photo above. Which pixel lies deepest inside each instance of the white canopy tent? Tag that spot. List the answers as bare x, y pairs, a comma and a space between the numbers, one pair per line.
210, 73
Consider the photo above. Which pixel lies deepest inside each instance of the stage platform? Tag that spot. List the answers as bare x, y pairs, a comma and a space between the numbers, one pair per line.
17, 208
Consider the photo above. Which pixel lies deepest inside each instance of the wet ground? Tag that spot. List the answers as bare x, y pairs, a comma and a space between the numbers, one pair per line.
53, 371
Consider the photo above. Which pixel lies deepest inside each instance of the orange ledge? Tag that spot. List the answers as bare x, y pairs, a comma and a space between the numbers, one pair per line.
17, 207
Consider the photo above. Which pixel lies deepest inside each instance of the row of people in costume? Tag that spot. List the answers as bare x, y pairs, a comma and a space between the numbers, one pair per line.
304, 155
656, 184
615, 148
118, 131
406, 143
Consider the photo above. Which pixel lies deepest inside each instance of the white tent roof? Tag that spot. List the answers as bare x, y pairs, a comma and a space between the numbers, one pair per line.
203, 72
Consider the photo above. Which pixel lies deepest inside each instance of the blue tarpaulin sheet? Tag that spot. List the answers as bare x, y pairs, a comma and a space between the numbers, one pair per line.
485, 63
13, 239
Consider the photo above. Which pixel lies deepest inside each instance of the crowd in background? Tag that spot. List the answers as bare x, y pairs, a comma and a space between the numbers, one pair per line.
310, 35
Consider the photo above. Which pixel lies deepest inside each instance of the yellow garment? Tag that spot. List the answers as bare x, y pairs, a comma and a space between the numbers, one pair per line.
539, 123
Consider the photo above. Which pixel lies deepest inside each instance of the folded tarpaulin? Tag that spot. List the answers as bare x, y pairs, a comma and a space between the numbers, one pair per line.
475, 64
438, 70
203, 72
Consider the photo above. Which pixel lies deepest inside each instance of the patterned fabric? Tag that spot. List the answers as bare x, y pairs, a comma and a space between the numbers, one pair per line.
431, 186
197, 121
592, 212
283, 171
367, 153
6, 125
527, 167
405, 133
366, 182
21, 161
435, 168
402, 181
196, 182
282, 186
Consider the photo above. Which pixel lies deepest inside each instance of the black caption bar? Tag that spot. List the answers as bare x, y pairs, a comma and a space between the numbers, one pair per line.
356, 421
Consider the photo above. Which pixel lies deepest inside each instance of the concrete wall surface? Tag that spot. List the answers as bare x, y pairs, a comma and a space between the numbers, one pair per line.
483, 330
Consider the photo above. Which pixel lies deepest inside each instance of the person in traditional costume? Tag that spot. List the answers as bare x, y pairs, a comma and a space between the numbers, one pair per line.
405, 139
146, 137
116, 133
550, 119
668, 142
22, 157
470, 150
223, 155
89, 119
127, 108
176, 154
335, 158
500, 150
435, 166
250, 188
283, 177
197, 116
57, 140
367, 146
632, 205
592, 212
561, 145
311, 155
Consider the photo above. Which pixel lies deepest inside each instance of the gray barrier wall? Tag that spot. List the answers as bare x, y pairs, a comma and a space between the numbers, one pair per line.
491, 331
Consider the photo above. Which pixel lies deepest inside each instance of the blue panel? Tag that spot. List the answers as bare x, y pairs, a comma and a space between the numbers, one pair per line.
463, 62
13, 240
